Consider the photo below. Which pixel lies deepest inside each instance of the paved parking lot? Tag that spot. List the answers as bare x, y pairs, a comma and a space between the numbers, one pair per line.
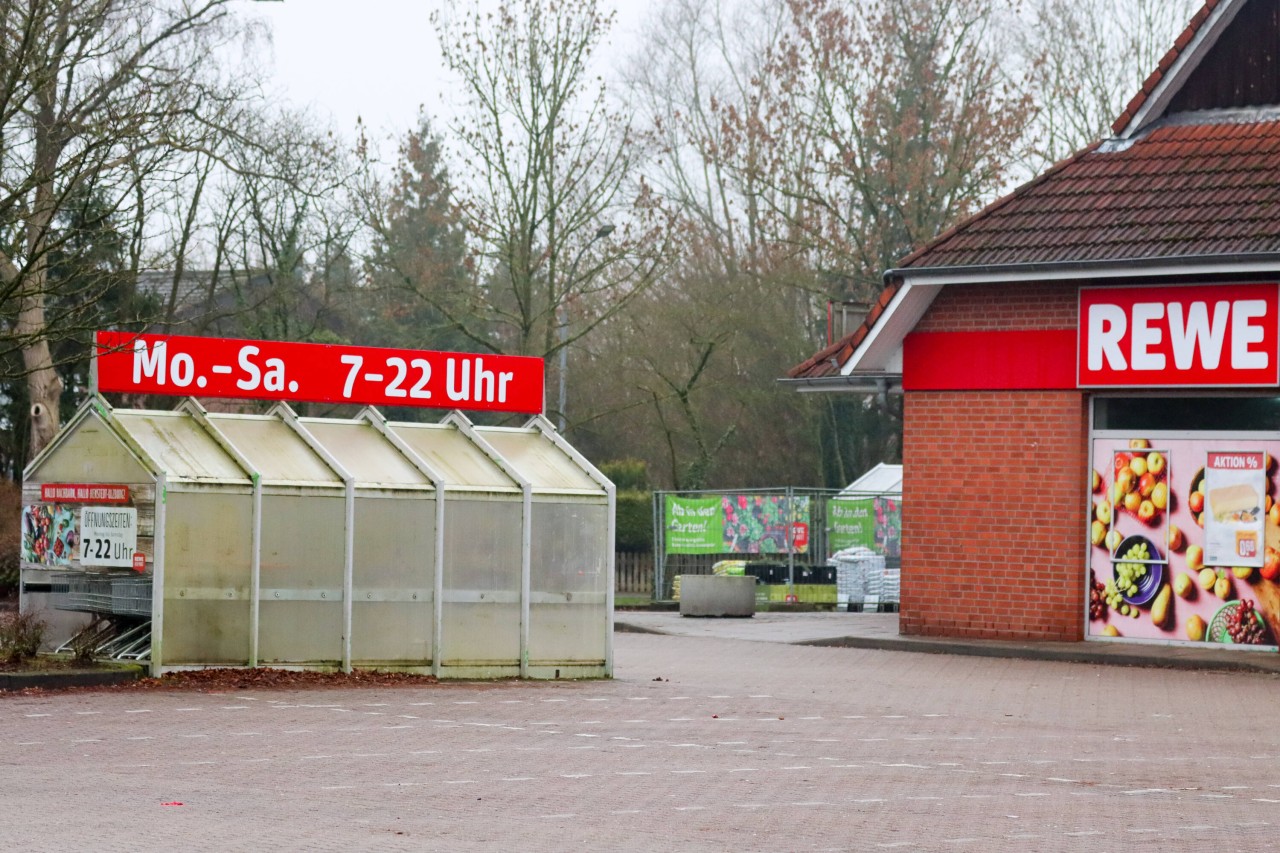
700, 743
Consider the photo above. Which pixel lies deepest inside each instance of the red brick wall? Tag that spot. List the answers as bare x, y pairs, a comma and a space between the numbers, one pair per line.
994, 494
984, 307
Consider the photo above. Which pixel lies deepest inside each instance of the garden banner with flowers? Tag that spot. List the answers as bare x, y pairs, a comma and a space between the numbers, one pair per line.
737, 524
874, 523
756, 524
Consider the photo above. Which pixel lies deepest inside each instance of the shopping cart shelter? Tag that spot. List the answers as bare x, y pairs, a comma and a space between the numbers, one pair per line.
191, 539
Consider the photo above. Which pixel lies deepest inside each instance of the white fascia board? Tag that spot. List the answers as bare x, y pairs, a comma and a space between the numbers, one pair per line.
1187, 62
881, 350
1179, 268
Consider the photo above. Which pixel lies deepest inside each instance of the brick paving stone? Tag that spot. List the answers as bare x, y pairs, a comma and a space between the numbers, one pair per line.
741, 745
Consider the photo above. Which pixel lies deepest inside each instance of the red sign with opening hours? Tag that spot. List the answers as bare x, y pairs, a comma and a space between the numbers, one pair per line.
323, 373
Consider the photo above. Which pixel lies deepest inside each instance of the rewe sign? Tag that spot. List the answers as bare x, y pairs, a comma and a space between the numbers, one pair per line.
1198, 336
324, 373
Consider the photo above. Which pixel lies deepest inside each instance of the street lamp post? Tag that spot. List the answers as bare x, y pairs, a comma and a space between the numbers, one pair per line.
601, 232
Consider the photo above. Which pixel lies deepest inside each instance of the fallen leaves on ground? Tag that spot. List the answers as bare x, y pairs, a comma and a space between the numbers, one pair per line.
227, 678
222, 679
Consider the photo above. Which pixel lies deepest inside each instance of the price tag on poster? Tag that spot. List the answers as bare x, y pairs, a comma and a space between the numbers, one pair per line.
1235, 492
108, 536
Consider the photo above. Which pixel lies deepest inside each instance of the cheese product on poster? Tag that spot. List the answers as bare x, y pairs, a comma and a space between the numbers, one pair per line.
1235, 489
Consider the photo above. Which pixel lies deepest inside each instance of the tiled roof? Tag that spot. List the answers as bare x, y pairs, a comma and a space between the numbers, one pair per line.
1188, 35
1181, 190
828, 361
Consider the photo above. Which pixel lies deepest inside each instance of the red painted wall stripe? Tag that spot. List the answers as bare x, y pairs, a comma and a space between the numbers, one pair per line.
1043, 360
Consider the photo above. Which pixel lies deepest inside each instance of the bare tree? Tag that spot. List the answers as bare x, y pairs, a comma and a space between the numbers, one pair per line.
543, 168
698, 78
1086, 58
908, 122
93, 95
280, 228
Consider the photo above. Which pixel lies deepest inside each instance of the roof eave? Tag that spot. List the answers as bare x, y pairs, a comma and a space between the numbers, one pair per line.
860, 383
1248, 263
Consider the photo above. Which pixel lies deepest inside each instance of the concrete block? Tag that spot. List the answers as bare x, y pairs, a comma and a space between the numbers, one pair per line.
717, 595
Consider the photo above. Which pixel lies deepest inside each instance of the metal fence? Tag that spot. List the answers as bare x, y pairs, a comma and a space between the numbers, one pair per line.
790, 561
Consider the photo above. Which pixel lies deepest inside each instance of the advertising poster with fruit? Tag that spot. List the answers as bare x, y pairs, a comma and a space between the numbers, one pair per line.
1150, 573
50, 534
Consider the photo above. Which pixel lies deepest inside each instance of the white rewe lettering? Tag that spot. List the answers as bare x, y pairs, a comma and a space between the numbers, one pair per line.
1107, 325
1145, 336
1245, 332
1197, 333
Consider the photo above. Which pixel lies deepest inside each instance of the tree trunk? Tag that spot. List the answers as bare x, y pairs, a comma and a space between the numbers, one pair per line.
44, 385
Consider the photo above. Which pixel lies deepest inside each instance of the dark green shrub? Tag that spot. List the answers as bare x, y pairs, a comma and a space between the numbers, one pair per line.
8, 562
635, 522
628, 475
635, 504
10, 535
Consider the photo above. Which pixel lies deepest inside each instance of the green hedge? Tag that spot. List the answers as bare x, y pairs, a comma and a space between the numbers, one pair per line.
635, 521
635, 503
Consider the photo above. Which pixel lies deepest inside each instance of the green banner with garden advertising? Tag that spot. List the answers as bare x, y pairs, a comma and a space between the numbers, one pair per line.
693, 525
737, 524
873, 523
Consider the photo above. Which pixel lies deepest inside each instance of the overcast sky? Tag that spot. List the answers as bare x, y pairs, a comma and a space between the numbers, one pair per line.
374, 59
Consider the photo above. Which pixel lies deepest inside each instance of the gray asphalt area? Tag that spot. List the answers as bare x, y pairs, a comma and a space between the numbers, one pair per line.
699, 743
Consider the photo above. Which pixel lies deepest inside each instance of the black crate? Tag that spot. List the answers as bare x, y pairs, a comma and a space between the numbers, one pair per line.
768, 573
815, 575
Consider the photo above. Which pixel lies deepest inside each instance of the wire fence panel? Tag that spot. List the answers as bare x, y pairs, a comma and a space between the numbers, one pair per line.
783, 534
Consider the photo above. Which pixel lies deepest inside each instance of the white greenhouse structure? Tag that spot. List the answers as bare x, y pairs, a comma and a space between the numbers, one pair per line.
277, 540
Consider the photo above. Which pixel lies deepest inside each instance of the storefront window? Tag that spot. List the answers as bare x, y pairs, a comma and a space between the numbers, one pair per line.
1141, 413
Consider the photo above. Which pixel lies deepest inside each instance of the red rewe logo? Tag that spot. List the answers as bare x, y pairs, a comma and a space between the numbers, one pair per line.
1200, 335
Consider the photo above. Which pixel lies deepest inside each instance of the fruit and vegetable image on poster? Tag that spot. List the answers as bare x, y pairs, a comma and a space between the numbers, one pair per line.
50, 534
1152, 521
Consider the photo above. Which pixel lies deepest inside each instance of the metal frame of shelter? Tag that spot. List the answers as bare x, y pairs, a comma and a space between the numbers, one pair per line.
249, 511
817, 552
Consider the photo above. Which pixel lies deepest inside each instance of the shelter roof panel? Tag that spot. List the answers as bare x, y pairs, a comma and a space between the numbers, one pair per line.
365, 453
449, 452
274, 449
538, 460
179, 445
880, 480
